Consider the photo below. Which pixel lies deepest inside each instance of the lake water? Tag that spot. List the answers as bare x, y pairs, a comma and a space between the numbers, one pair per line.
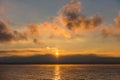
59, 72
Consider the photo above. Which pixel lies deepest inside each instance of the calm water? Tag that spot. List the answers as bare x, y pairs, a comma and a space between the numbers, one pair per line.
59, 72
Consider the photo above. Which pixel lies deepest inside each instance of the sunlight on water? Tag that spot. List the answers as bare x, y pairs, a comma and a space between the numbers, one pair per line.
57, 72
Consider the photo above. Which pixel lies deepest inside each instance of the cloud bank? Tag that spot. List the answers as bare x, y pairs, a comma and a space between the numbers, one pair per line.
69, 22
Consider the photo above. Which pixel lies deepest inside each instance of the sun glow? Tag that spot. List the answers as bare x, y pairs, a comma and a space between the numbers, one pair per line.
57, 53
55, 50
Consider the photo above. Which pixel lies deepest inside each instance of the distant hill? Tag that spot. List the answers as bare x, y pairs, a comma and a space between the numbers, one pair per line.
68, 59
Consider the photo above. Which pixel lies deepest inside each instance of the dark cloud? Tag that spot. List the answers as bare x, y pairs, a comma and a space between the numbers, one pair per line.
19, 52
15, 51
71, 16
8, 35
5, 33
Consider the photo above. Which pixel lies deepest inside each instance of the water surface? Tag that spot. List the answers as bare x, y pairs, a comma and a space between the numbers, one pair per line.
59, 72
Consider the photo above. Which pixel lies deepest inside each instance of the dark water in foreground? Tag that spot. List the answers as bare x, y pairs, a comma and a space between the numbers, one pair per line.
59, 72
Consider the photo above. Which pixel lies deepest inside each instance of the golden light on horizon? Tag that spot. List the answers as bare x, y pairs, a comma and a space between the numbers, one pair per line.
57, 53
55, 50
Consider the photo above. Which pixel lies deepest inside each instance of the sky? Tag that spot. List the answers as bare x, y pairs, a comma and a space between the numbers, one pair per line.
67, 27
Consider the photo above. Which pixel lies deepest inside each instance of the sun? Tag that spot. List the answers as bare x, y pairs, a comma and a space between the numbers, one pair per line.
57, 53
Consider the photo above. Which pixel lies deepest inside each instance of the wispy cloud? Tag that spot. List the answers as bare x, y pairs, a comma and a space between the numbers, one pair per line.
113, 30
117, 20
21, 52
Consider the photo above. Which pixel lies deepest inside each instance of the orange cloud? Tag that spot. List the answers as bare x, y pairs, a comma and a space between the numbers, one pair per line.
70, 18
69, 23
53, 29
117, 20
112, 31
33, 29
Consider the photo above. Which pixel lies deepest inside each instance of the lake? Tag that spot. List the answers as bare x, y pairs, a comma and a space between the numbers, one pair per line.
60, 72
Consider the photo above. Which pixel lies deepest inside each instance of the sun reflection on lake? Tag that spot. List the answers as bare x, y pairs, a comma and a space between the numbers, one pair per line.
57, 72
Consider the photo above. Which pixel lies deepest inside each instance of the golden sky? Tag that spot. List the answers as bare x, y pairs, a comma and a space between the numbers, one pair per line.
69, 31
